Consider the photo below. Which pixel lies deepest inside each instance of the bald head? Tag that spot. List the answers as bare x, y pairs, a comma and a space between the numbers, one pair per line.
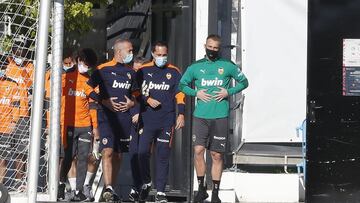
122, 47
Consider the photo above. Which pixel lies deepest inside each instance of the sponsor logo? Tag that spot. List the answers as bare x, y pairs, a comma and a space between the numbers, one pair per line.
121, 85
162, 140
147, 87
112, 73
150, 74
141, 131
162, 86
129, 75
202, 70
18, 79
168, 76
125, 140
219, 138
223, 145
71, 81
104, 141
5, 101
168, 133
215, 82
76, 93
194, 138
84, 140
221, 71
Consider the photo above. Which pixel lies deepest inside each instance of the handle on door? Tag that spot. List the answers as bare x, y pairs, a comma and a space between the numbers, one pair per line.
312, 111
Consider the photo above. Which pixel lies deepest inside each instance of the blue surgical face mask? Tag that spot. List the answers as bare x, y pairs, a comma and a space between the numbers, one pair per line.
2, 73
18, 61
66, 67
160, 61
128, 58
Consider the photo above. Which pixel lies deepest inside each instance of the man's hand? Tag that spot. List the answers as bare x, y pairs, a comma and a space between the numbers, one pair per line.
180, 121
125, 106
95, 150
153, 102
111, 104
135, 118
220, 95
203, 96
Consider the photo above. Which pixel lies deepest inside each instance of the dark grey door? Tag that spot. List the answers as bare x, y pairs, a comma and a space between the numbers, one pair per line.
333, 119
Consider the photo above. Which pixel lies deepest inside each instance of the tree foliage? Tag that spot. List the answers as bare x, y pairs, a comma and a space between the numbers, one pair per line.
23, 14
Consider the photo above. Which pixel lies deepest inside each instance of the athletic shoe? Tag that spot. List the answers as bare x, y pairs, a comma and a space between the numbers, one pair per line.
160, 198
69, 195
134, 195
201, 195
88, 193
215, 197
144, 193
61, 192
79, 197
110, 196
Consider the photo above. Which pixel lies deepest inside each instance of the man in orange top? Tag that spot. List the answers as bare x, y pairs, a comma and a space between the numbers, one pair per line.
9, 105
21, 71
75, 116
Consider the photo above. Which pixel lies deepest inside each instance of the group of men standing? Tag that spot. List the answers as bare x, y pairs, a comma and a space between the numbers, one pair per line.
133, 106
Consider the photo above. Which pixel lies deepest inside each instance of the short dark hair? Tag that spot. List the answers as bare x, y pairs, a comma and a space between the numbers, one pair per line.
139, 59
159, 44
214, 37
88, 56
68, 52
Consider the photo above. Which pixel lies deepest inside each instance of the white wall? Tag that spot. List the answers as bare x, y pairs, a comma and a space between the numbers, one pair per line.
274, 42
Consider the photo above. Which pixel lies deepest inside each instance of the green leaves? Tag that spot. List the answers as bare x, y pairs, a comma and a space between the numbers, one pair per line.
77, 16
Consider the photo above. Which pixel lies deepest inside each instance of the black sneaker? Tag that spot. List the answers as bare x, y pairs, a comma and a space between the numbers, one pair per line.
110, 196
144, 193
201, 195
79, 197
61, 192
160, 198
215, 197
134, 195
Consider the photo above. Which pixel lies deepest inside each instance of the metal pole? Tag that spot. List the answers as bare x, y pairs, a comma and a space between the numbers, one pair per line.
38, 95
55, 101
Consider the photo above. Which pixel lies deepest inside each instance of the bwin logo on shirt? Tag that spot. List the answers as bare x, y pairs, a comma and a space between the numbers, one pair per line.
162, 86
76, 93
121, 85
215, 82
5, 101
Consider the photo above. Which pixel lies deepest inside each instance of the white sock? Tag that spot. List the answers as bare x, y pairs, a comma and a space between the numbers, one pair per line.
88, 178
72, 182
110, 187
160, 193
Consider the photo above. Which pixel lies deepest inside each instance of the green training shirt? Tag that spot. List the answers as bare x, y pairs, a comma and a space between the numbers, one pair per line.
210, 75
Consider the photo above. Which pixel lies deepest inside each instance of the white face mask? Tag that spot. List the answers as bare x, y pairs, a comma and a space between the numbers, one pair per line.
18, 61
82, 68
67, 67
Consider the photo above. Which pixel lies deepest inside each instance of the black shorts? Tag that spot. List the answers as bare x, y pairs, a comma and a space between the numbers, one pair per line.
211, 133
21, 136
6, 146
115, 131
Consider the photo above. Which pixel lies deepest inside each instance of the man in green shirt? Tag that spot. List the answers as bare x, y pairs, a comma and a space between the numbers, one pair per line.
212, 76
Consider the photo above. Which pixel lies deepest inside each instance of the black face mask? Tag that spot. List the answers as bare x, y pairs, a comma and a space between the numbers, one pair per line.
211, 54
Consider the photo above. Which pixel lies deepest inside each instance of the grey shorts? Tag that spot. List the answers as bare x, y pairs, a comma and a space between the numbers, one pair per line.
211, 133
78, 138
